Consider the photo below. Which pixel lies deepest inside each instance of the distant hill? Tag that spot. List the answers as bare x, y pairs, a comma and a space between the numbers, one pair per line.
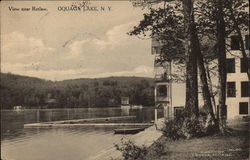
33, 92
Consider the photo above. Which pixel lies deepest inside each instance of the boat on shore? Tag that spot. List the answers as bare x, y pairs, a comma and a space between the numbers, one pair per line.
128, 130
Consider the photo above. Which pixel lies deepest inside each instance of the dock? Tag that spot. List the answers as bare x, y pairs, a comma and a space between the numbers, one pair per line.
31, 125
105, 121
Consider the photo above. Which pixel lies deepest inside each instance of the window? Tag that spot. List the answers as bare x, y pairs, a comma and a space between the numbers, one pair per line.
230, 65
247, 42
244, 65
162, 90
245, 89
178, 111
235, 43
231, 91
243, 108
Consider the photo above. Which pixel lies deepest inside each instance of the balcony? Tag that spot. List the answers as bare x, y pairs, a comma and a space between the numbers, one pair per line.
162, 99
162, 78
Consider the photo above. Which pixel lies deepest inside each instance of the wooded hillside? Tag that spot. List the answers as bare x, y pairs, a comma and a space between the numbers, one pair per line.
33, 92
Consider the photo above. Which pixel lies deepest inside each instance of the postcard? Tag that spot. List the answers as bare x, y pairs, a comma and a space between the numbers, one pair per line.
124, 79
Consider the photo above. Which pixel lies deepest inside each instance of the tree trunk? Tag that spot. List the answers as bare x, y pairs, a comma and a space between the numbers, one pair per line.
205, 89
193, 53
203, 77
210, 84
221, 51
191, 60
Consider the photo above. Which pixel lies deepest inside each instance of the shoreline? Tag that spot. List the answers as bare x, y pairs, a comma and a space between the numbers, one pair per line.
146, 138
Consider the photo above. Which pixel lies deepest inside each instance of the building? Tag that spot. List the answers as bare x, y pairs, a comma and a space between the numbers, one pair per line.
163, 85
124, 101
238, 88
238, 85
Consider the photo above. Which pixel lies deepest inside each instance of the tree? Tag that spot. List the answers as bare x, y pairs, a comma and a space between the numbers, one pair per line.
221, 52
168, 25
191, 48
221, 18
213, 19
27, 92
240, 21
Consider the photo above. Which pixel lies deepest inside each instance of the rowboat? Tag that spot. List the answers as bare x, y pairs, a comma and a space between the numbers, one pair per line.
128, 130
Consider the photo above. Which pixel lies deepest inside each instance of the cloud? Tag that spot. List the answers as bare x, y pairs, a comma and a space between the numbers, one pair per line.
32, 69
23, 69
17, 47
82, 45
90, 43
9, 67
118, 34
84, 56
142, 71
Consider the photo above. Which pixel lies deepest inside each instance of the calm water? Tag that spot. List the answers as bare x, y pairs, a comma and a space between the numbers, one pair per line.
76, 143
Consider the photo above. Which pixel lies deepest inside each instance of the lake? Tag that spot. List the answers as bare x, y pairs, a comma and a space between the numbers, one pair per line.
62, 143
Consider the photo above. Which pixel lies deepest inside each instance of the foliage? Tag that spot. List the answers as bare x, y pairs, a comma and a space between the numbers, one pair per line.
164, 24
159, 148
202, 28
184, 127
172, 130
165, 21
207, 14
131, 151
103, 92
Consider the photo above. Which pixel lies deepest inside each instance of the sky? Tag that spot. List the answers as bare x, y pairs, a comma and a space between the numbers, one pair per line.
56, 45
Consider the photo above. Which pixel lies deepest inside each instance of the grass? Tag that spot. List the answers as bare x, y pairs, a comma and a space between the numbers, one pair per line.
231, 146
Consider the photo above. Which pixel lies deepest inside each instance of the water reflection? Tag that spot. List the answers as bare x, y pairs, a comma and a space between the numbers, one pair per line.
125, 110
58, 143
14, 120
20, 143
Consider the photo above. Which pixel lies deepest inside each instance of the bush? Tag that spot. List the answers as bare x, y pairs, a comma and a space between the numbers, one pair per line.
192, 127
158, 149
173, 130
131, 151
183, 127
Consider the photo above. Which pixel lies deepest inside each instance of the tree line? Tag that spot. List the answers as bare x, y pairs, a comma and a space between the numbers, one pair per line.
32, 92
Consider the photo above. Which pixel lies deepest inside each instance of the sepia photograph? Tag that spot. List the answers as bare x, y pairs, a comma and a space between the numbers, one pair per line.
125, 80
